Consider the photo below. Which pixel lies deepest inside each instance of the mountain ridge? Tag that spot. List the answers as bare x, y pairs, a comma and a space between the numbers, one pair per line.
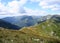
8, 25
45, 32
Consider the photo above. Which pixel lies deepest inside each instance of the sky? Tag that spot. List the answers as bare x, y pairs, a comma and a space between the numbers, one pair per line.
29, 7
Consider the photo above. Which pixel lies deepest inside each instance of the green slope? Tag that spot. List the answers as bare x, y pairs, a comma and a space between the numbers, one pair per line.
46, 32
25, 36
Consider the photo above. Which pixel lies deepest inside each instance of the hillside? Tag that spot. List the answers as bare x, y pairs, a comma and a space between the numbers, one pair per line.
45, 32
48, 29
8, 25
25, 36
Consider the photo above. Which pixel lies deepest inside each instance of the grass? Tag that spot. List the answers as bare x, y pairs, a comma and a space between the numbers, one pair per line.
40, 33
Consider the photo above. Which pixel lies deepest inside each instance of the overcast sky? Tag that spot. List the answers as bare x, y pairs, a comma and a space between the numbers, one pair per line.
29, 7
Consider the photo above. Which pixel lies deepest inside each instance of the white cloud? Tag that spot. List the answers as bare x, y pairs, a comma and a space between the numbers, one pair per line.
16, 6
3, 9
55, 9
34, 0
43, 3
12, 7
34, 12
50, 4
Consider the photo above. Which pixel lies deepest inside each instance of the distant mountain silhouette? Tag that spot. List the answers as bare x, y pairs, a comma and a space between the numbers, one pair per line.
26, 21
8, 25
22, 21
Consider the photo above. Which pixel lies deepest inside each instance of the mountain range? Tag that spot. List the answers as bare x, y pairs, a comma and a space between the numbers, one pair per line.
46, 31
22, 21
8, 25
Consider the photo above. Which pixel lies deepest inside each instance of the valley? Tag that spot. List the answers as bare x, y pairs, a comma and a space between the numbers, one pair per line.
46, 31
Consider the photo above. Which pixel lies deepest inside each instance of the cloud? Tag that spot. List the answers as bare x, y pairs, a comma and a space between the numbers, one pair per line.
53, 5
15, 6
34, 0
3, 9
50, 4
34, 12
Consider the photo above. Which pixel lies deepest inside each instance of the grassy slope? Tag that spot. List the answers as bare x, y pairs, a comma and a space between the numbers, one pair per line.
49, 30
6, 36
34, 34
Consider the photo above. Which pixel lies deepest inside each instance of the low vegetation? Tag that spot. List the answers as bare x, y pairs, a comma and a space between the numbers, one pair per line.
45, 32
